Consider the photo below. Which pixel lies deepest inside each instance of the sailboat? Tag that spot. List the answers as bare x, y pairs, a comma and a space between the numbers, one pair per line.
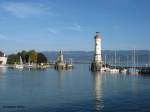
29, 65
105, 68
123, 70
19, 66
114, 70
69, 65
133, 70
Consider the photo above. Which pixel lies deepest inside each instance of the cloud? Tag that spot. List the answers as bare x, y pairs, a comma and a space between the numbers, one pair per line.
75, 27
52, 30
7, 38
25, 9
3, 37
61, 29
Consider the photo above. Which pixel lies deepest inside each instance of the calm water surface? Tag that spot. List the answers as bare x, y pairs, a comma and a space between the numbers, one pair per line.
76, 90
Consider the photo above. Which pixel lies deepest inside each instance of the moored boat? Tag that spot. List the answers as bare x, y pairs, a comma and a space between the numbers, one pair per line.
19, 66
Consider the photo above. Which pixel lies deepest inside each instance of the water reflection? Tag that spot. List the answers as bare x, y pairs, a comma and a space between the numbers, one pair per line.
3, 78
3, 70
134, 85
61, 74
97, 76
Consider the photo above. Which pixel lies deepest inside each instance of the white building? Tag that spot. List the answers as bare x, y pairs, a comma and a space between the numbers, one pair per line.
98, 57
60, 58
3, 58
96, 65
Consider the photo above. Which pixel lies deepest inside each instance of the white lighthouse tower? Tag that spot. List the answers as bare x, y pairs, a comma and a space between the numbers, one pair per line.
97, 61
98, 58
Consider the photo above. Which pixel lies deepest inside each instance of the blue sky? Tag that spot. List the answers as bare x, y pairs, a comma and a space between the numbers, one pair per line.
48, 25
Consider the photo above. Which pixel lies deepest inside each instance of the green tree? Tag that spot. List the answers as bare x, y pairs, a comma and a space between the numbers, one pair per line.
24, 55
12, 59
41, 58
33, 56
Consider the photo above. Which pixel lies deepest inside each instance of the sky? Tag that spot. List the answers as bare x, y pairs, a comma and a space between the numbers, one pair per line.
70, 25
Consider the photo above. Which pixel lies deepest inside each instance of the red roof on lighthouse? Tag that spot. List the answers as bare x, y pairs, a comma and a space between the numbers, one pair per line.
97, 36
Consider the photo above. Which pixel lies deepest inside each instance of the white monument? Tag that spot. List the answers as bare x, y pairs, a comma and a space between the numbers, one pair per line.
97, 61
98, 57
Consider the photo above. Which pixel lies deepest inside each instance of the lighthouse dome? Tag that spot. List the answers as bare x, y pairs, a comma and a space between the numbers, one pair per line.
97, 36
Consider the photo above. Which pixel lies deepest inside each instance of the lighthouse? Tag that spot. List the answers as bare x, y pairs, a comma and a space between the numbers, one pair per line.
97, 58
61, 57
97, 61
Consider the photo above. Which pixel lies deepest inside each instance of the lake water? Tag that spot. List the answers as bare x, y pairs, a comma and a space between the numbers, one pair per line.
77, 90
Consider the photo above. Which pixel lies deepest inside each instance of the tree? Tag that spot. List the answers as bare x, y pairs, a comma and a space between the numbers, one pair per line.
33, 56
12, 59
41, 58
23, 55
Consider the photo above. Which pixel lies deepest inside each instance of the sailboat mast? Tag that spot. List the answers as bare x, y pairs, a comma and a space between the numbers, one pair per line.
137, 60
127, 60
70, 61
119, 60
115, 59
105, 60
149, 58
134, 63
